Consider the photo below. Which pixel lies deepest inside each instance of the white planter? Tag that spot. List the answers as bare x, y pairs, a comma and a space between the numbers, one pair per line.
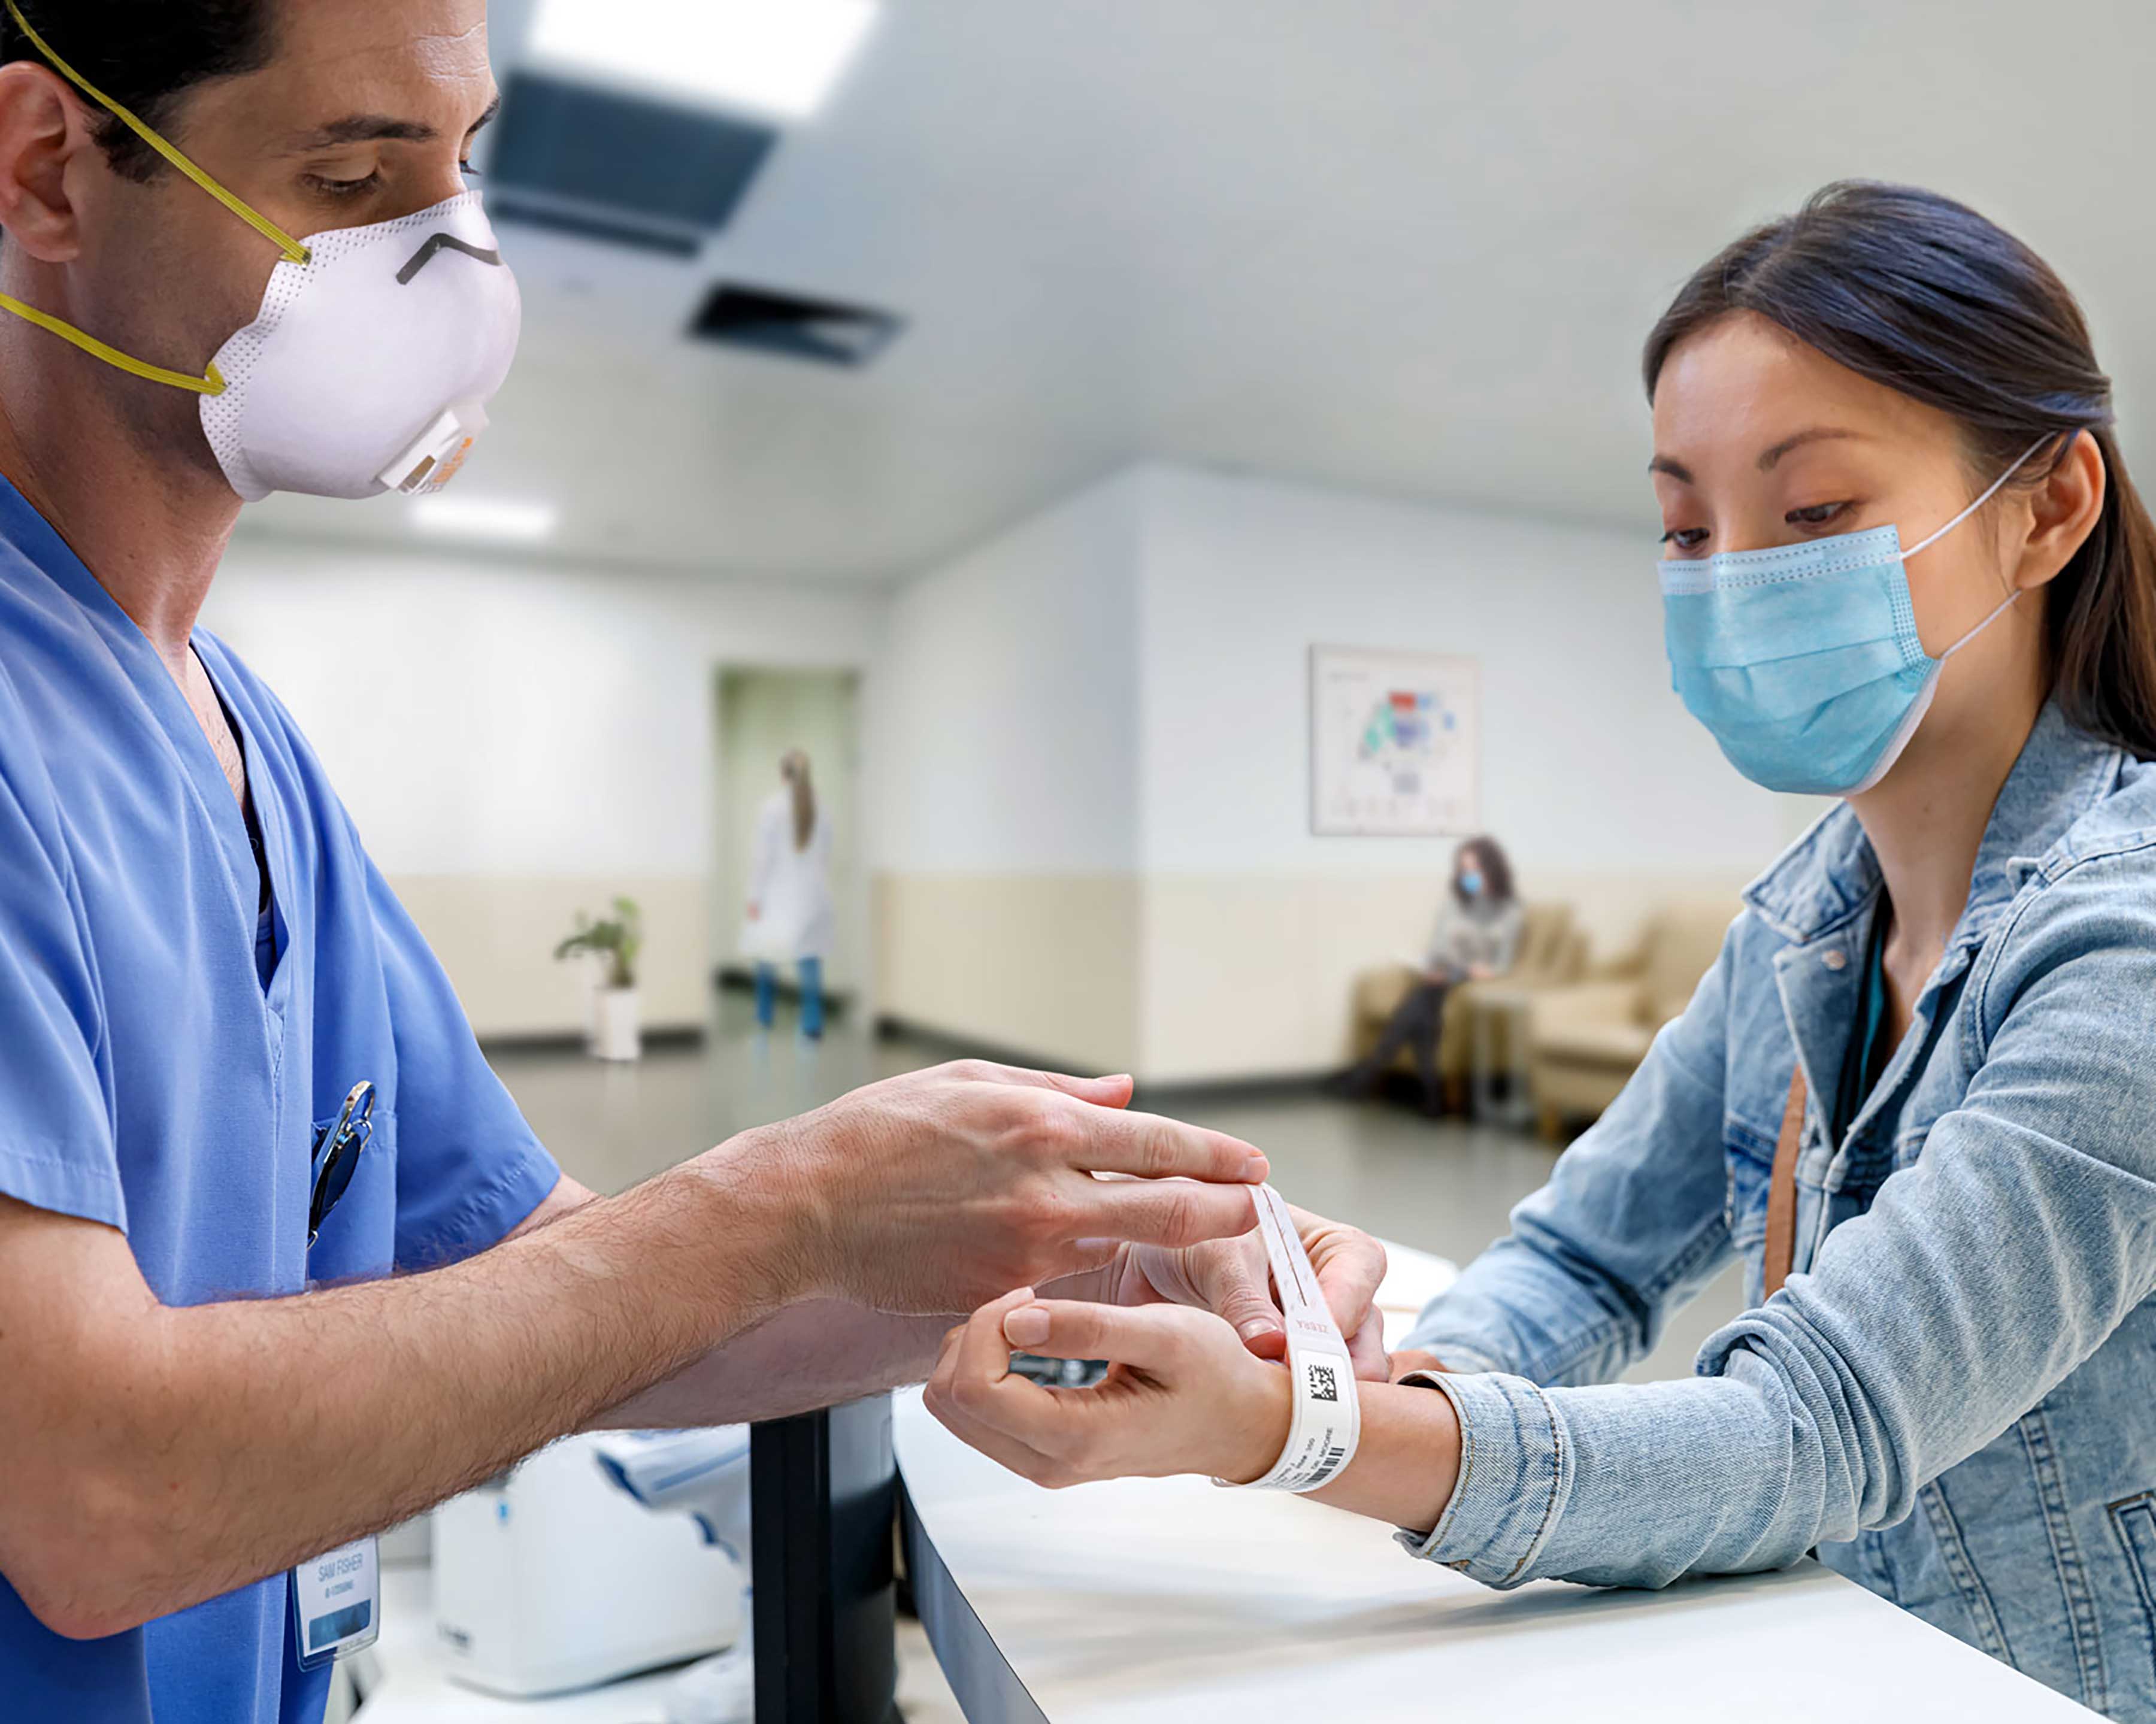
619, 1033
594, 970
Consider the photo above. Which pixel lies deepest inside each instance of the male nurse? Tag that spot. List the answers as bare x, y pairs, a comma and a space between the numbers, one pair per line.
280, 1262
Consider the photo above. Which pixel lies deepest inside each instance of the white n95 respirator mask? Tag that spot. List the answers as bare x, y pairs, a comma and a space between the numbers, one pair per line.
373, 357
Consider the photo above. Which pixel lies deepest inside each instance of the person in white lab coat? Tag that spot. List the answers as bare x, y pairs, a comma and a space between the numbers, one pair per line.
790, 916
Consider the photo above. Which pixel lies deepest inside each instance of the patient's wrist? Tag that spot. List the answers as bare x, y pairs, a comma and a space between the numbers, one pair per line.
1258, 1429
1407, 1462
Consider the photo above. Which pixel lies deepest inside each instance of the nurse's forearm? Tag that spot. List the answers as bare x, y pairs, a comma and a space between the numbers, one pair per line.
813, 1355
157, 1457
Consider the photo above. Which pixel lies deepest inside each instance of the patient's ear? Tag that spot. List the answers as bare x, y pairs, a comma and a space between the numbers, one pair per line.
43, 133
2063, 511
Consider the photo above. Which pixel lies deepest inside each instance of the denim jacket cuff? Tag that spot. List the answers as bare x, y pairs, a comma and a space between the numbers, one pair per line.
1515, 1471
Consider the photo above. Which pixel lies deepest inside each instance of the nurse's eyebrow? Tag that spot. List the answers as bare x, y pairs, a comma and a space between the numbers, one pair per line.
378, 128
1675, 469
1818, 434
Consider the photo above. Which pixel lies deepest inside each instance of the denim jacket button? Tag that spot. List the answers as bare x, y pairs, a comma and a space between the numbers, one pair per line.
1834, 958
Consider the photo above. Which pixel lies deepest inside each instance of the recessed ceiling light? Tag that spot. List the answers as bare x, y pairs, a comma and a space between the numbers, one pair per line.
775, 56
450, 517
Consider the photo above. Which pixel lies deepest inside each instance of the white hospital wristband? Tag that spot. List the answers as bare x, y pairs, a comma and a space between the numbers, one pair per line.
1327, 1419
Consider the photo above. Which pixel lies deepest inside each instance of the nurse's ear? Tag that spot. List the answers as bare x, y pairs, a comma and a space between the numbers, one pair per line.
2063, 510
46, 142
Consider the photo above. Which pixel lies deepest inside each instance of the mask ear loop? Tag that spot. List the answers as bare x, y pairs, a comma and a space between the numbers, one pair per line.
262, 224
2019, 462
2008, 603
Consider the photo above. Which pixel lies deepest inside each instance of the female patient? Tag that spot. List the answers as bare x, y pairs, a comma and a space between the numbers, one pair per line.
1903, 565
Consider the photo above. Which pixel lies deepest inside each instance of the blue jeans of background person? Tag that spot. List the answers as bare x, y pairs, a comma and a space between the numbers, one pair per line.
812, 995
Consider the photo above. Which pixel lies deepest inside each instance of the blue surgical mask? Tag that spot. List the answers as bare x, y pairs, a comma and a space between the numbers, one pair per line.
1803, 660
1471, 884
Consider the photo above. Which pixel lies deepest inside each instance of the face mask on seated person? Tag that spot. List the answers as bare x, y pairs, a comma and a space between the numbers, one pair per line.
376, 352
1803, 659
1471, 884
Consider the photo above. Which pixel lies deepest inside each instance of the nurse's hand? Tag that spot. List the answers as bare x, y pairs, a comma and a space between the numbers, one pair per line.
1233, 1278
1185, 1395
936, 1190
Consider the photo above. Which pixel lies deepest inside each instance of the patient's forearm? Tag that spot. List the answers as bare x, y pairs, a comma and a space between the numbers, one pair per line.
815, 1354
1408, 1458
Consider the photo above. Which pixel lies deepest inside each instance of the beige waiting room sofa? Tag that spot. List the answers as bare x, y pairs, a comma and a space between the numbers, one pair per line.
1590, 1036
1553, 953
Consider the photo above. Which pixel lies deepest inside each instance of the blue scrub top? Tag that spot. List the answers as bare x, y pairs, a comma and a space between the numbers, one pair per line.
153, 1082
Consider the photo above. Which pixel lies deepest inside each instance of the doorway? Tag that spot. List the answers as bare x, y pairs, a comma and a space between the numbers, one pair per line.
761, 712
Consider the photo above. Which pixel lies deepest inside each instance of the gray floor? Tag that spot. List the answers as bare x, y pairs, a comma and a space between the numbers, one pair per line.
1445, 1187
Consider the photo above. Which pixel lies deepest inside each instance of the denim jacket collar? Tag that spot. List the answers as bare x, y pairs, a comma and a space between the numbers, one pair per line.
1825, 879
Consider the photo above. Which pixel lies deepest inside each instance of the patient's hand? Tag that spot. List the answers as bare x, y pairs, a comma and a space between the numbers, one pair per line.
1409, 1359
1233, 1278
1182, 1396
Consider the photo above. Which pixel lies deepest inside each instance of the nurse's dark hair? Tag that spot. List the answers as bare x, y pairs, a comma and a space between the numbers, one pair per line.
146, 54
1921, 294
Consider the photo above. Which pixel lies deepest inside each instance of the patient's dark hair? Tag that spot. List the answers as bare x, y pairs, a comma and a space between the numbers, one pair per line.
146, 54
1921, 294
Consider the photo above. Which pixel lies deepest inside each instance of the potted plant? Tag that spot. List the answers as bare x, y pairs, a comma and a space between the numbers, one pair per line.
615, 941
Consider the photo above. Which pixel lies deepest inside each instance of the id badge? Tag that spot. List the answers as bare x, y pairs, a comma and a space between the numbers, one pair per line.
337, 1602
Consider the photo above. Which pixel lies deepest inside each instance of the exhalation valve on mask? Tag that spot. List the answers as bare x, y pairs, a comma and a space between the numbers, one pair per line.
370, 362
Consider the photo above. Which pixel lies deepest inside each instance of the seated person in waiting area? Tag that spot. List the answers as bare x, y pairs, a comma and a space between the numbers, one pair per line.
1477, 936
1906, 568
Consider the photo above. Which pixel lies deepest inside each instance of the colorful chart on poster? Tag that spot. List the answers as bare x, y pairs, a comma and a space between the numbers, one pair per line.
1395, 742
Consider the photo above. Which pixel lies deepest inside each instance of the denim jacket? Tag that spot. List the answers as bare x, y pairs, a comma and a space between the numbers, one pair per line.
1954, 1398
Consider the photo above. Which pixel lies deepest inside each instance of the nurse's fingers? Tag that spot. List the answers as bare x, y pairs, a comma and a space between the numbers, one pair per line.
1150, 1147
1111, 1092
1158, 1212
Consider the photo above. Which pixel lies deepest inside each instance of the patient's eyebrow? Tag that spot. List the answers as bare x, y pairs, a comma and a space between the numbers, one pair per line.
1817, 434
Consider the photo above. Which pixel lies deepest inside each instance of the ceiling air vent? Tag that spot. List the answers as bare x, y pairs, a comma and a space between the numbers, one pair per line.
618, 168
772, 322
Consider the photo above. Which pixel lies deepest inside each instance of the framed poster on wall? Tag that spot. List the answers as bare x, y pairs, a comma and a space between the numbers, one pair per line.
1395, 744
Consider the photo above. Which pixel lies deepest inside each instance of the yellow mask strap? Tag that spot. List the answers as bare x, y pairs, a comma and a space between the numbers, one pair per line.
262, 224
211, 384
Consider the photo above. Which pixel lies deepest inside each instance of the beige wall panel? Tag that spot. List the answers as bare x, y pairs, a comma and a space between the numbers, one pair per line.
1250, 977
1046, 963
495, 936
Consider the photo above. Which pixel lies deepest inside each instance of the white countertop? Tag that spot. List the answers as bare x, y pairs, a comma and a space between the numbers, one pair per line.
1172, 1600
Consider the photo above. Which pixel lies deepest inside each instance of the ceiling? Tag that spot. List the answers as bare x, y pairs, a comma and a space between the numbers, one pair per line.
1404, 246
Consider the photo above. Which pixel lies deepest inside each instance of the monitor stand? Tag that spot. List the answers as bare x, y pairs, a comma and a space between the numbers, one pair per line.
823, 1493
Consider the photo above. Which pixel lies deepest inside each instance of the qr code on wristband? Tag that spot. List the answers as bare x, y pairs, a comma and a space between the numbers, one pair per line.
1323, 1386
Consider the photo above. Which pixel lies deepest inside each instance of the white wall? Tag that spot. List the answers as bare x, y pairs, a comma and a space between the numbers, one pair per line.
1588, 761
516, 740
1008, 705
1604, 790
1005, 714
1097, 728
